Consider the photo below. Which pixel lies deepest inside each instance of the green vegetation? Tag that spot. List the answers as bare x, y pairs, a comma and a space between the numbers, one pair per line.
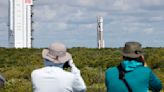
17, 64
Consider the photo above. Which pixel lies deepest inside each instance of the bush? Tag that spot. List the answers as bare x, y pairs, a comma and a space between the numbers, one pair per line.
16, 65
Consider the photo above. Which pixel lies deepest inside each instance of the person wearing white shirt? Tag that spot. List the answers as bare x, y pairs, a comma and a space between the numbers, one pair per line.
2, 81
52, 77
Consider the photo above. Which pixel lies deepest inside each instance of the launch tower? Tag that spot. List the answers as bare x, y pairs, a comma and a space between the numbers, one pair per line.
20, 23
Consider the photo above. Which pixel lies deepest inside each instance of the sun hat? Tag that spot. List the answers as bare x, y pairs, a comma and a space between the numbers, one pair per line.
132, 50
56, 53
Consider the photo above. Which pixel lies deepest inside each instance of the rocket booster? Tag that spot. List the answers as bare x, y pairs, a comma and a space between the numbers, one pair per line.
100, 39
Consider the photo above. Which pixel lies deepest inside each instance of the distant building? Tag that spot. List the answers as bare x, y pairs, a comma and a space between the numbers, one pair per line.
20, 23
100, 39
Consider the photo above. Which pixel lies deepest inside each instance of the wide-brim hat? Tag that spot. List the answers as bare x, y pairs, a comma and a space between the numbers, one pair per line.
56, 53
132, 49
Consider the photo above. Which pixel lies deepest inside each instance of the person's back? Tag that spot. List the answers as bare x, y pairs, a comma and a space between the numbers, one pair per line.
131, 75
138, 79
52, 79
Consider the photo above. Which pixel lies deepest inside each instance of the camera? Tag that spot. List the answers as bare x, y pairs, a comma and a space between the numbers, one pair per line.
66, 64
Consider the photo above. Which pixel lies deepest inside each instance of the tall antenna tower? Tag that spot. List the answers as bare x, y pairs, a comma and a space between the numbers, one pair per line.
20, 23
100, 39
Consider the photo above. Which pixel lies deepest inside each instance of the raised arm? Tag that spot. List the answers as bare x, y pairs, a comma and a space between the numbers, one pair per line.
78, 83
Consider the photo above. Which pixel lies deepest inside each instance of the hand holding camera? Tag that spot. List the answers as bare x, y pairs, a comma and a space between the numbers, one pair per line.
69, 63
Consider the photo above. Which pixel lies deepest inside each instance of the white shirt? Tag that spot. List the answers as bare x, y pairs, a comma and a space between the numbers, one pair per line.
55, 79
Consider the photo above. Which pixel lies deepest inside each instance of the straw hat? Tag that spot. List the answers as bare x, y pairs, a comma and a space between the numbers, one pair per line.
132, 50
56, 53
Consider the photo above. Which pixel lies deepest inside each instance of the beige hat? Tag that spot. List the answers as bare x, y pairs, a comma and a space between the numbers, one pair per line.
56, 50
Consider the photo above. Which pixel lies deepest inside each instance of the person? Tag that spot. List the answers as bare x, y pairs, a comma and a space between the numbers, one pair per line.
2, 81
52, 77
131, 75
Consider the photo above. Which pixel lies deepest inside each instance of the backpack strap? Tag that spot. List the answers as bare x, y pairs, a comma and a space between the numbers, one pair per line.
121, 77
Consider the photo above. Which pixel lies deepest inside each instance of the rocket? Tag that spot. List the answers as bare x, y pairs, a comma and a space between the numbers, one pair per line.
100, 39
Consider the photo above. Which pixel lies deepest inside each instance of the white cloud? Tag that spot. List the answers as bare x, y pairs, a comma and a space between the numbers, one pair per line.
157, 18
73, 18
122, 5
3, 9
79, 13
44, 13
148, 30
153, 2
86, 2
49, 14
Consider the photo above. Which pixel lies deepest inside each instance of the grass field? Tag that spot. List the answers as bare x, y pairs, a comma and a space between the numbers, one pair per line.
17, 64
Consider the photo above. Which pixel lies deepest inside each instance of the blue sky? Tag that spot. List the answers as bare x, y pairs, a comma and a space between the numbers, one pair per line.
73, 22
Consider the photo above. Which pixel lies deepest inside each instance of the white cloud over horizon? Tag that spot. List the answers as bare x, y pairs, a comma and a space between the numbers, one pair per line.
73, 22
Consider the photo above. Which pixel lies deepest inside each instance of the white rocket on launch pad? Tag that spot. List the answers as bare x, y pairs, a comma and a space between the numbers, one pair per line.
100, 39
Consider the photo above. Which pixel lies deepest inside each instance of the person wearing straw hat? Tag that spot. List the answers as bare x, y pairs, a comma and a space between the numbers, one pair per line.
2, 81
52, 77
131, 75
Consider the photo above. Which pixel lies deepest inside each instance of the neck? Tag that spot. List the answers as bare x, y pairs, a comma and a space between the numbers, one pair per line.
50, 63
